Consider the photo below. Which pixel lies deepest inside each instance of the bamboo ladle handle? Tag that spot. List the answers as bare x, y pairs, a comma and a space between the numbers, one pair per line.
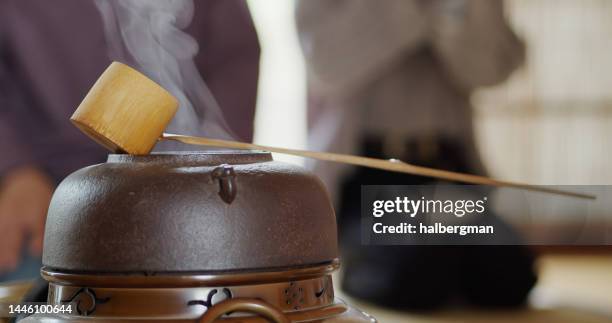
393, 165
127, 112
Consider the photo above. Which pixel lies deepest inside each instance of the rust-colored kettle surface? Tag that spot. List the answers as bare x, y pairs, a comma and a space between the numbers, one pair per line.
189, 212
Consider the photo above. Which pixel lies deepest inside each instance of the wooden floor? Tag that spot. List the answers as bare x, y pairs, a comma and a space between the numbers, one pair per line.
571, 289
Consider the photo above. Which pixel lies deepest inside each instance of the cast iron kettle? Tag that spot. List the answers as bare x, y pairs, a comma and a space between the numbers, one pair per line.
192, 237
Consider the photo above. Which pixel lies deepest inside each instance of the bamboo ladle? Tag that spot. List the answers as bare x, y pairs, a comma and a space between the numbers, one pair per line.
127, 112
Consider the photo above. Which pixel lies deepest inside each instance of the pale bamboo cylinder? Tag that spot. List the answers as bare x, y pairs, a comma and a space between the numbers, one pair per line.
125, 111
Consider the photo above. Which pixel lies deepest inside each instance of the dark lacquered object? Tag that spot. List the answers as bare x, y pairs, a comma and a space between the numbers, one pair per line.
215, 236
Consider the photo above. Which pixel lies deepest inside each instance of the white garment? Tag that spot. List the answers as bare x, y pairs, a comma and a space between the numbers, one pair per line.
400, 69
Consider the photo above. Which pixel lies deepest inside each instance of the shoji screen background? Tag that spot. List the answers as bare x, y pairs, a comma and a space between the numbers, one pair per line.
551, 123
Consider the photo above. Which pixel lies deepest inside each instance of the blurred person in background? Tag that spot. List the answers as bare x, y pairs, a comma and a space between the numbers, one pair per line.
50, 56
393, 79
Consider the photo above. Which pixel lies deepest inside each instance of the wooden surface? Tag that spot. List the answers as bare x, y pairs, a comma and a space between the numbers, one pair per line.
125, 111
571, 289
12, 292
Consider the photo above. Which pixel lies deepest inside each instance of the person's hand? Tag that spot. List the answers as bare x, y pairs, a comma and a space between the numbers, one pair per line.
24, 199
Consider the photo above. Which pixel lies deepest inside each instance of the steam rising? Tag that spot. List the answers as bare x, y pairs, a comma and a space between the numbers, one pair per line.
148, 35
